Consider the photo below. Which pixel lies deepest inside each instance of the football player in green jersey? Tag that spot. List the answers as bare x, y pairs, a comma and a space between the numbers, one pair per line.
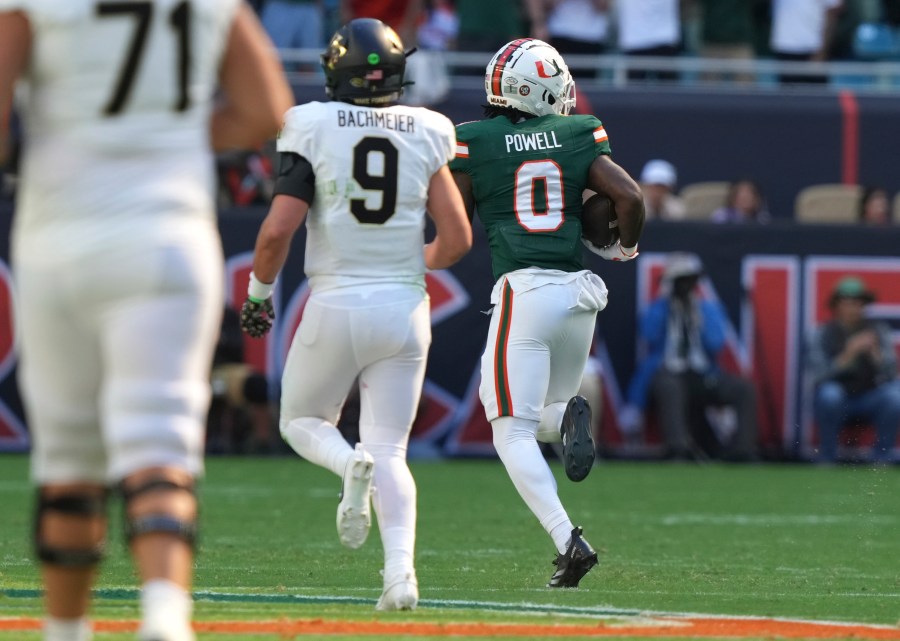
526, 168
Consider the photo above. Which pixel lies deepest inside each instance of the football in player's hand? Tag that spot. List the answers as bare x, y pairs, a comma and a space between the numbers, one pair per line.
598, 221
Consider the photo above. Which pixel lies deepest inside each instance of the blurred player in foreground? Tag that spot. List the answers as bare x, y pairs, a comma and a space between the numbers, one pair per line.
362, 173
118, 265
525, 168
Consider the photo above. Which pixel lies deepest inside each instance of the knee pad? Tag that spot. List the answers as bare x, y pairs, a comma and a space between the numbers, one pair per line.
74, 504
160, 522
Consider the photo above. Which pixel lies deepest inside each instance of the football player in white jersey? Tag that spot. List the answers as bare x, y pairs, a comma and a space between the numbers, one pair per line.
361, 172
118, 265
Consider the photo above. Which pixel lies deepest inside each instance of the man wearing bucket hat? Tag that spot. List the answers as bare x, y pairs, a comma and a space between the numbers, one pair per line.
684, 334
658, 182
853, 365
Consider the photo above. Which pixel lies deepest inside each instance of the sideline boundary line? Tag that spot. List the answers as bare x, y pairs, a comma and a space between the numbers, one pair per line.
632, 622
131, 594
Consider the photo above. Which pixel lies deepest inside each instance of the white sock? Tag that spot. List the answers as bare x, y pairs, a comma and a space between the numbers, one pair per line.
551, 421
56, 629
166, 610
514, 440
398, 543
318, 442
562, 535
395, 504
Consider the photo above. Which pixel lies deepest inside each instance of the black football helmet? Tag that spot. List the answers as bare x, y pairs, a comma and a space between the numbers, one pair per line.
364, 63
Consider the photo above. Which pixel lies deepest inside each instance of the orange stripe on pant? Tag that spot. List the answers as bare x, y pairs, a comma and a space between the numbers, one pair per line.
501, 348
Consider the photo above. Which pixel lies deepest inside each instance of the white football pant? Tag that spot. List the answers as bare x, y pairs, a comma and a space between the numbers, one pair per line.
115, 354
382, 336
538, 341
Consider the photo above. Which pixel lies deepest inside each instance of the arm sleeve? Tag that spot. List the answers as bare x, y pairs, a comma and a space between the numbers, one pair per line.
295, 177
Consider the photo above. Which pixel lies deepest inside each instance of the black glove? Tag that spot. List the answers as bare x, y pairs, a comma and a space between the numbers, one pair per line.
257, 317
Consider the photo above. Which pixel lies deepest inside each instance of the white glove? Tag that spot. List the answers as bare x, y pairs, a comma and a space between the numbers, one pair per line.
612, 252
631, 421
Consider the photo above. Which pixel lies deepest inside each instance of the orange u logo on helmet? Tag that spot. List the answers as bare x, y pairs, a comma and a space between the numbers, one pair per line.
542, 73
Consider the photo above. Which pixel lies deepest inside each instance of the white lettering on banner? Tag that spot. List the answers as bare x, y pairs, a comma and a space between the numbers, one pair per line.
531, 142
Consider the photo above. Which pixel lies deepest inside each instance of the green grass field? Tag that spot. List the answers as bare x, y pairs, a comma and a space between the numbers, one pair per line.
762, 540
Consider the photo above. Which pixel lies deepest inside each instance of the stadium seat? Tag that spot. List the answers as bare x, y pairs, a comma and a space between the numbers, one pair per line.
702, 198
876, 41
829, 203
897, 208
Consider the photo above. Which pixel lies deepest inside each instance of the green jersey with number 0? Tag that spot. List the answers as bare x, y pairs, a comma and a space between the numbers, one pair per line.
527, 179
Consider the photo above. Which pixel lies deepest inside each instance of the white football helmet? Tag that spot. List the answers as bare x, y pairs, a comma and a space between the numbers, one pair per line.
531, 76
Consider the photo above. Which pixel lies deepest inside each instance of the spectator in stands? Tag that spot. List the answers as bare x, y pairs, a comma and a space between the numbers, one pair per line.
727, 33
440, 27
240, 416
571, 26
874, 207
331, 15
294, 24
744, 204
402, 16
683, 335
762, 27
649, 28
853, 366
427, 71
487, 25
850, 16
658, 181
802, 30
245, 177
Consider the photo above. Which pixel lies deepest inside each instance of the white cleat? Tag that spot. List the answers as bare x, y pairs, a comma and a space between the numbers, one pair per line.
354, 513
401, 592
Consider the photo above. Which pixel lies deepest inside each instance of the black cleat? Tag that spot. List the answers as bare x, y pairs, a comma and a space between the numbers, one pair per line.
574, 564
578, 443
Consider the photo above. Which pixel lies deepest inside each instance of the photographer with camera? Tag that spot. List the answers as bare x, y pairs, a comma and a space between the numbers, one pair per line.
854, 369
702, 410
